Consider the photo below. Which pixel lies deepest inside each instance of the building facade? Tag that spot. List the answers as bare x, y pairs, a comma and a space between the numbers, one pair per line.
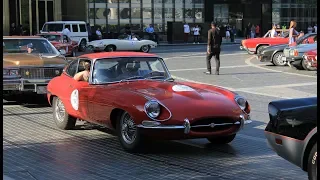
114, 15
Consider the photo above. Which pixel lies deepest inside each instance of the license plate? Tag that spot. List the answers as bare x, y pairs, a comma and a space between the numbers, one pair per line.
283, 58
42, 90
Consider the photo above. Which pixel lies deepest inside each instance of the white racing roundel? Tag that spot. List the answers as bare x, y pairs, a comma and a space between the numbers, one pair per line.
75, 99
181, 88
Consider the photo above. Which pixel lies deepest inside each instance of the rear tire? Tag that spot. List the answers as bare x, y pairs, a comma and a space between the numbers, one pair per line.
312, 163
110, 48
145, 48
221, 139
60, 116
276, 59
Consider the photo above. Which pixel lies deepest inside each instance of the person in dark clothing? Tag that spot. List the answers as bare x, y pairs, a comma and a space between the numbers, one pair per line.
213, 48
13, 30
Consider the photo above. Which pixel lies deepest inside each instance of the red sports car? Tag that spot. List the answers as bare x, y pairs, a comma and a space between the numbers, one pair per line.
134, 94
252, 46
310, 58
61, 41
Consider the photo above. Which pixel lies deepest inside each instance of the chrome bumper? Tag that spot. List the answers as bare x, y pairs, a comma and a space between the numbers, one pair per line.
186, 125
26, 85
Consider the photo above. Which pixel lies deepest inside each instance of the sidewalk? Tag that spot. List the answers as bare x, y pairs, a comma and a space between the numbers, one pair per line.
236, 41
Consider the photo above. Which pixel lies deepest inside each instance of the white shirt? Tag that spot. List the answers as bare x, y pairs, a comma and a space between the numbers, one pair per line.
66, 32
186, 28
309, 29
98, 33
273, 33
315, 29
196, 31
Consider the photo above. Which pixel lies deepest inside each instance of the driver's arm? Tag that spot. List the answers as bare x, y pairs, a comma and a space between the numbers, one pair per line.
78, 76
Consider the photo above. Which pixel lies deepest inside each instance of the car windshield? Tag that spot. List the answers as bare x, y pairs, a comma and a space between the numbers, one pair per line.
40, 46
52, 27
280, 33
305, 37
52, 37
129, 68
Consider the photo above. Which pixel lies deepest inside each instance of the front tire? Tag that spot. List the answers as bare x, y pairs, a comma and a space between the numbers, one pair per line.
312, 163
145, 48
128, 133
110, 48
221, 139
277, 59
60, 116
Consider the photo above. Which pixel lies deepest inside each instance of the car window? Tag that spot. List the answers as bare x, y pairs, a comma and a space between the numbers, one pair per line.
134, 68
82, 28
52, 27
72, 68
67, 26
81, 64
75, 28
38, 46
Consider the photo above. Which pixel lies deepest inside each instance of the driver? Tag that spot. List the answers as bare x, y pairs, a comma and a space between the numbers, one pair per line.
29, 48
83, 75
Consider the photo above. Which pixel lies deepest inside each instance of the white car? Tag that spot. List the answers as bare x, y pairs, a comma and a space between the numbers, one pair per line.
123, 43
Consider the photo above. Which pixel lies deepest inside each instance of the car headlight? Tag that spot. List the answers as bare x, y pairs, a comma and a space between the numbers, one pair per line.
241, 101
152, 109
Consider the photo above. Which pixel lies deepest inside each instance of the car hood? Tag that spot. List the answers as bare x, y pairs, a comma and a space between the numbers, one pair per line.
25, 59
176, 96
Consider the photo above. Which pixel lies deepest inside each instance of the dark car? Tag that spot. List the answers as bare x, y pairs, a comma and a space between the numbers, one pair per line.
274, 54
292, 132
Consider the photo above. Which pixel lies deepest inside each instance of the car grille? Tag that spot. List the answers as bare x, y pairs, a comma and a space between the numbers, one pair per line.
207, 121
40, 73
286, 52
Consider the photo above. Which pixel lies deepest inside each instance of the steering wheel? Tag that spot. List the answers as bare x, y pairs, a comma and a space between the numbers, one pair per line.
157, 73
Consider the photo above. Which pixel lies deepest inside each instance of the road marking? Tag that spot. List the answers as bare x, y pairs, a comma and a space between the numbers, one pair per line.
248, 61
203, 56
194, 69
11, 106
282, 86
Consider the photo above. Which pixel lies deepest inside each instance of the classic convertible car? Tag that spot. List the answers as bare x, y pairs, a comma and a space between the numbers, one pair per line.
274, 54
61, 41
29, 63
134, 94
123, 43
254, 45
292, 132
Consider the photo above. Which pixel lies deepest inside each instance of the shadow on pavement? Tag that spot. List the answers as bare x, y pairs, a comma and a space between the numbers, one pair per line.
26, 100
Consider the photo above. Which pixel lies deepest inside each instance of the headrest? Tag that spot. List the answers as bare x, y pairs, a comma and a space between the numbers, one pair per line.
30, 45
133, 65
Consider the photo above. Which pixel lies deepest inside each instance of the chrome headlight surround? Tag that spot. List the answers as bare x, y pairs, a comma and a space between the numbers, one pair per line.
152, 109
241, 102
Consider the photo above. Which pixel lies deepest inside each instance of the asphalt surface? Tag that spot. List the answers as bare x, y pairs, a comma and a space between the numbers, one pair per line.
35, 149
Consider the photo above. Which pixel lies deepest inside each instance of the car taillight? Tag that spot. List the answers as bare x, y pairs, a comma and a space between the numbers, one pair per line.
295, 52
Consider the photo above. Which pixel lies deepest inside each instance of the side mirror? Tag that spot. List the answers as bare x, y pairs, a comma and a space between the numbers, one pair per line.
62, 51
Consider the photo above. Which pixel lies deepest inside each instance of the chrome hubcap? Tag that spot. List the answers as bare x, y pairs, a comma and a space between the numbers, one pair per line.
128, 129
145, 48
279, 59
60, 111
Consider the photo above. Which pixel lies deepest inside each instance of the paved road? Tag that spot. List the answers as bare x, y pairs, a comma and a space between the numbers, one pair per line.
35, 149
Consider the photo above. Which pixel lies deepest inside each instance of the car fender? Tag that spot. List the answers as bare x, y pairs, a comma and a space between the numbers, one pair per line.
257, 46
306, 143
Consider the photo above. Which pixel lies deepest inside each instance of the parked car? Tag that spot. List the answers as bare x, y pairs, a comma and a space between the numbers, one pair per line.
78, 31
292, 132
252, 46
134, 94
294, 55
123, 43
29, 63
274, 53
61, 41
310, 58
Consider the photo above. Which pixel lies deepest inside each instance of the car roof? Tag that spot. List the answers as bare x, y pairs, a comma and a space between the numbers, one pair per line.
65, 22
116, 54
50, 33
22, 37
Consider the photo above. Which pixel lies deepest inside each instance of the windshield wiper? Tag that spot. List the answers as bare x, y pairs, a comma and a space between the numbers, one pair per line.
133, 77
155, 77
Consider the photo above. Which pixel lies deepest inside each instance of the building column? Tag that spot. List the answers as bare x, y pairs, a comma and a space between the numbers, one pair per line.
30, 17
37, 15
57, 10
6, 17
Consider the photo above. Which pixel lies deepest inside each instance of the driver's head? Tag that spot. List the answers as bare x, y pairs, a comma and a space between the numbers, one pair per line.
87, 66
30, 47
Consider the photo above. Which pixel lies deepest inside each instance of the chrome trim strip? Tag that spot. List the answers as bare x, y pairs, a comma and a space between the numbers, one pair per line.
161, 127
186, 126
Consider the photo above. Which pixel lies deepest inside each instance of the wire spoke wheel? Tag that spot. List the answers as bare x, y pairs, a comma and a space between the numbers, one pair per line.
128, 129
60, 111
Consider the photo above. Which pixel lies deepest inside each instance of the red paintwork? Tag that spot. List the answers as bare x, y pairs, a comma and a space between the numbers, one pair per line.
96, 102
67, 46
311, 57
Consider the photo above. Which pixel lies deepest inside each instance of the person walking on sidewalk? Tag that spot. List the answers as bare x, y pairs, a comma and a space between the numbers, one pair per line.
196, 34
186, 29
213, 48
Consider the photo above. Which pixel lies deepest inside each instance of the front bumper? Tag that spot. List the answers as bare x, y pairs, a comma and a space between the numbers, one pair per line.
187, 128
249, 50
38, 86
264, 58
288, 148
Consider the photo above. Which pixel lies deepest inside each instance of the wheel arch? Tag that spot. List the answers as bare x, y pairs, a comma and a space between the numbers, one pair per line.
113, 45
114, 115
276, 51
263, 44
309, 142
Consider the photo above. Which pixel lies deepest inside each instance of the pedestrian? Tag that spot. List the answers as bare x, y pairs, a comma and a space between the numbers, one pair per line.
89, 32
228, 32
150, 31
248, 31
293, 33
99, 34
196, 34
273, 32
257, 31
13, 29
310, 29
66, 32
186, 30
253, 31
315, 28
213, 48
